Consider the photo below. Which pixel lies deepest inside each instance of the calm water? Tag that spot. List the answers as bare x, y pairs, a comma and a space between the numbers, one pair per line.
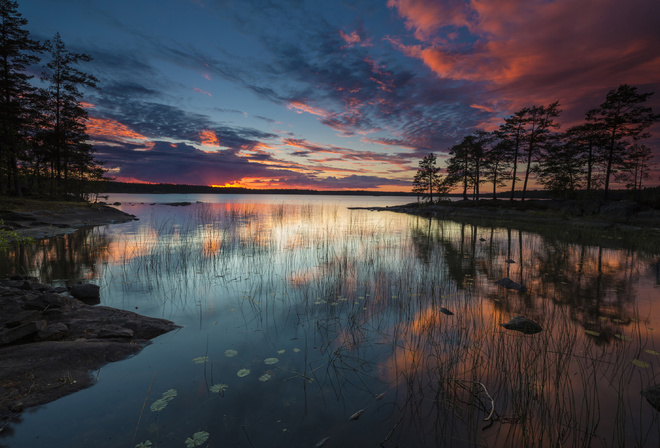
298, 313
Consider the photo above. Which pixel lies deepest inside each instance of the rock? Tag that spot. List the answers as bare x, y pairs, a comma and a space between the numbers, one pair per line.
510, 284
523, 324
59, 340
16, 334
86, 292
620, 211
446, 311
509, 260
115, 331
652, 395
177, 204
53, 332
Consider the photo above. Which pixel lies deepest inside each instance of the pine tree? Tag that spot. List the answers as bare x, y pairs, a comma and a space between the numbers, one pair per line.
636, 168
622, 119
17, 53
538, 123
511, 134
427, 180
66, 135
496, 164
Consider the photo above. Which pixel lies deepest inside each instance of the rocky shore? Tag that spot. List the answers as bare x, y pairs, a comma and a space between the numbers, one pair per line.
58, 219
585, 214
51, 342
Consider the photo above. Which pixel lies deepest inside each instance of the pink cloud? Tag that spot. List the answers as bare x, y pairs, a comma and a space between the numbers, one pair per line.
202, 91
535, 52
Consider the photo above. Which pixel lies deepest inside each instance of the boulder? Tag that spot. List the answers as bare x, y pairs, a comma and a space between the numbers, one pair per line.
523, 324
86, 292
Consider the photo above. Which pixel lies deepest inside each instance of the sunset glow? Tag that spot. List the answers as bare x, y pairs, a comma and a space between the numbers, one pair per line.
332, 97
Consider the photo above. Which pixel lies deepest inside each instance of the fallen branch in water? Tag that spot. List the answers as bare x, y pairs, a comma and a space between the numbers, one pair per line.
492, 402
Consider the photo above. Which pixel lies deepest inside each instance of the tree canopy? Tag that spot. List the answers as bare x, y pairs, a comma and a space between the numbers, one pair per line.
44, 146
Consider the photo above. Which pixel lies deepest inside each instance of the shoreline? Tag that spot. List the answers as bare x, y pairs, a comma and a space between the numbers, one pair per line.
43, 219
620, 215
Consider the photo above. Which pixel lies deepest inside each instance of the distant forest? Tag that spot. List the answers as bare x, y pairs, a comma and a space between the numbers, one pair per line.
124, 187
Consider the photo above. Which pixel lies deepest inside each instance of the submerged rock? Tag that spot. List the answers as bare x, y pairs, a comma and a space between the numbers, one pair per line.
652, 395
523, 324
510, 284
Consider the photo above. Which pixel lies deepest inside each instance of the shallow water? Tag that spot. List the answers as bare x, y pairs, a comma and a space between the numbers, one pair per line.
347, 302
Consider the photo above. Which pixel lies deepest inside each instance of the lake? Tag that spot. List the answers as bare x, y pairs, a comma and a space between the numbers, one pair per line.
305, 323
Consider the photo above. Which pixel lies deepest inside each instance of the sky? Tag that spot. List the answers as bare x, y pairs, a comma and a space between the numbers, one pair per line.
333, 95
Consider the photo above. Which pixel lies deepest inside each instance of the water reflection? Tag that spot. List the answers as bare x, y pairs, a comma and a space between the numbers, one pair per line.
348, 302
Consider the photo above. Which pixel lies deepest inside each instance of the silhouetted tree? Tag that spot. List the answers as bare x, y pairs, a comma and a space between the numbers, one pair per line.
585, 139
538, 122
636, 167
66, 135
561, 169
511, 134
622, 119
17, 52
427, 181
497, 164
467, 163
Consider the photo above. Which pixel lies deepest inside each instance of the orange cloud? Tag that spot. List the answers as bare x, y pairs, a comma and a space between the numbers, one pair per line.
426, 17
208, 138
301, 107
112, 130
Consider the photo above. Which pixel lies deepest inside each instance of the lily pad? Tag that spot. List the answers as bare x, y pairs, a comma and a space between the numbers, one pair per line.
169, 394
158, 405
265, 377
219, 388
200, 359
145, 444
296, 350
230, 353
592, 333
243, 372
279, 352
653, 352
197, 439
640, 363
271, 361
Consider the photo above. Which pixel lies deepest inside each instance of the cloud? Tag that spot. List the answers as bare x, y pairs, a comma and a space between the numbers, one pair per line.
536, 52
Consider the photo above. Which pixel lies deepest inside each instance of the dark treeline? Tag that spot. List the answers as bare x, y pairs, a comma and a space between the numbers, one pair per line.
125, 187
44, 146
583, 160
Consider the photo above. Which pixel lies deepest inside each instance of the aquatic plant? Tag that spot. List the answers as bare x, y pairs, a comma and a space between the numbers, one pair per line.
271, 361
230, 353
219, 388
197, 439
265, 377
158, 405
243, 372
200, 359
